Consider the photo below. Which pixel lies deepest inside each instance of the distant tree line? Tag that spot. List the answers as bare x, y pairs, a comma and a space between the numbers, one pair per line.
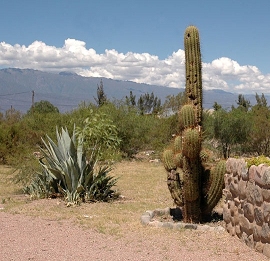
241, 130
145, 104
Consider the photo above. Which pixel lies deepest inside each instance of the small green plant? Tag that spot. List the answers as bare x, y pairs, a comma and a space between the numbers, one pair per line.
42, 186
258, 160
99, 134
66, 172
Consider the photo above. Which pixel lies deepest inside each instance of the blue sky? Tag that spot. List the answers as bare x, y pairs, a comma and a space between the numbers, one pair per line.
140, 40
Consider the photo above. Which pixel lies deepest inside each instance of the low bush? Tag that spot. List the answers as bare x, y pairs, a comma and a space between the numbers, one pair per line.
67, 172
258, 160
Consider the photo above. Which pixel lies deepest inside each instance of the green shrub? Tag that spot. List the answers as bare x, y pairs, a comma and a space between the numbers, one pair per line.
100, 134
258, 160
43, 107
65, 171
139, 132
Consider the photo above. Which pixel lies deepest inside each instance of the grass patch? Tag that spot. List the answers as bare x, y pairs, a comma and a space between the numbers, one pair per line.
8, 188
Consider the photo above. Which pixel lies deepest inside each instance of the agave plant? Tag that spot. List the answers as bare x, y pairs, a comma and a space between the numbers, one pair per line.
65, 164
42, 186
100, 188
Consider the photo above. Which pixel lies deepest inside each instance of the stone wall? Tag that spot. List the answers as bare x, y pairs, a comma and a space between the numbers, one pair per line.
246, 211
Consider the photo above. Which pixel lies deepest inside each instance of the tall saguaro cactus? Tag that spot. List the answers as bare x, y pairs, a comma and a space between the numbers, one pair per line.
195, 185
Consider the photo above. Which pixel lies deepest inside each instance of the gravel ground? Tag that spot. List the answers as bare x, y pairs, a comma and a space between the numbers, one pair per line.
32, 238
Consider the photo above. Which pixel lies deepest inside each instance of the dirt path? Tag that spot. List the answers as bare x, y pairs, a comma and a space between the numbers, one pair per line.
33, 238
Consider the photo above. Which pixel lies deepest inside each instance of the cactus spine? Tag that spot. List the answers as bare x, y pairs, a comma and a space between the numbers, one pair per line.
193, 186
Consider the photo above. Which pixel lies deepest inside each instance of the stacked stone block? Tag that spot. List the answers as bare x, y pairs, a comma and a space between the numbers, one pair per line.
246, 211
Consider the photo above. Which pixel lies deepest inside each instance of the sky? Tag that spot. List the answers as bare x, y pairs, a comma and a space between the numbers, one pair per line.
140, 40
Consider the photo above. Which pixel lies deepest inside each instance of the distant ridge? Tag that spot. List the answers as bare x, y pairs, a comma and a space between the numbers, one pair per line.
66, 90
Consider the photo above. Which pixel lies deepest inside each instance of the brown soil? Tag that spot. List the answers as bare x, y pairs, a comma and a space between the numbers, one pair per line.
39, 239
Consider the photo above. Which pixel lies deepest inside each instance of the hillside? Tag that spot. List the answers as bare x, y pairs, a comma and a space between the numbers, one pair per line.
66, 90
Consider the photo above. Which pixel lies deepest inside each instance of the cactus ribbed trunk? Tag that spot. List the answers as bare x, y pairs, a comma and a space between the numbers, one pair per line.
192, 193
192, 133
193, 185
193, 70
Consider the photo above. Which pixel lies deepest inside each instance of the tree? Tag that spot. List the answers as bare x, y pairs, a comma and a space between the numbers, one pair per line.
12, 116
261, 101
156, 106
217, 106
101, 96
230, 129
140, 104
1, 117
43, 107
131, 100
149, 103
260, 134
174, 103
243, 103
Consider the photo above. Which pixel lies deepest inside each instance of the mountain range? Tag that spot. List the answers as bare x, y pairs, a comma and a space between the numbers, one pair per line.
65, 90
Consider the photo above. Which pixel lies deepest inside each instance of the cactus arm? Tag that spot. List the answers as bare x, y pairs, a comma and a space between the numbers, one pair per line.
177, 144
168, 160
215, 186
175, 184
178, 160
187, 116
191, 143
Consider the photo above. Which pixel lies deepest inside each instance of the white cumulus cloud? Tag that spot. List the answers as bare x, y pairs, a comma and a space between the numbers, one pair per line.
223, 73
227, 74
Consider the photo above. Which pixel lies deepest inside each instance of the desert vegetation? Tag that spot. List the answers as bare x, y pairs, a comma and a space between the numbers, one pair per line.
108, 131
230, 131
91, 154
122, 130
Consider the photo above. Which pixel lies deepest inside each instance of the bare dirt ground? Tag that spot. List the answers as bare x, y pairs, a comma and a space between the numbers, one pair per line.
33, 238
46, 229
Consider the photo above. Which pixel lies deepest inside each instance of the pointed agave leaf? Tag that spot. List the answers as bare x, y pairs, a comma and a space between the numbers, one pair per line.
54, 173
67, 177
82, 167
53, 149
88, 177
100, 189
60, 144
80, 157
80, 189
74, 136
69, 144
51, 161
81, 170
74, 174
72, 146
63, 144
